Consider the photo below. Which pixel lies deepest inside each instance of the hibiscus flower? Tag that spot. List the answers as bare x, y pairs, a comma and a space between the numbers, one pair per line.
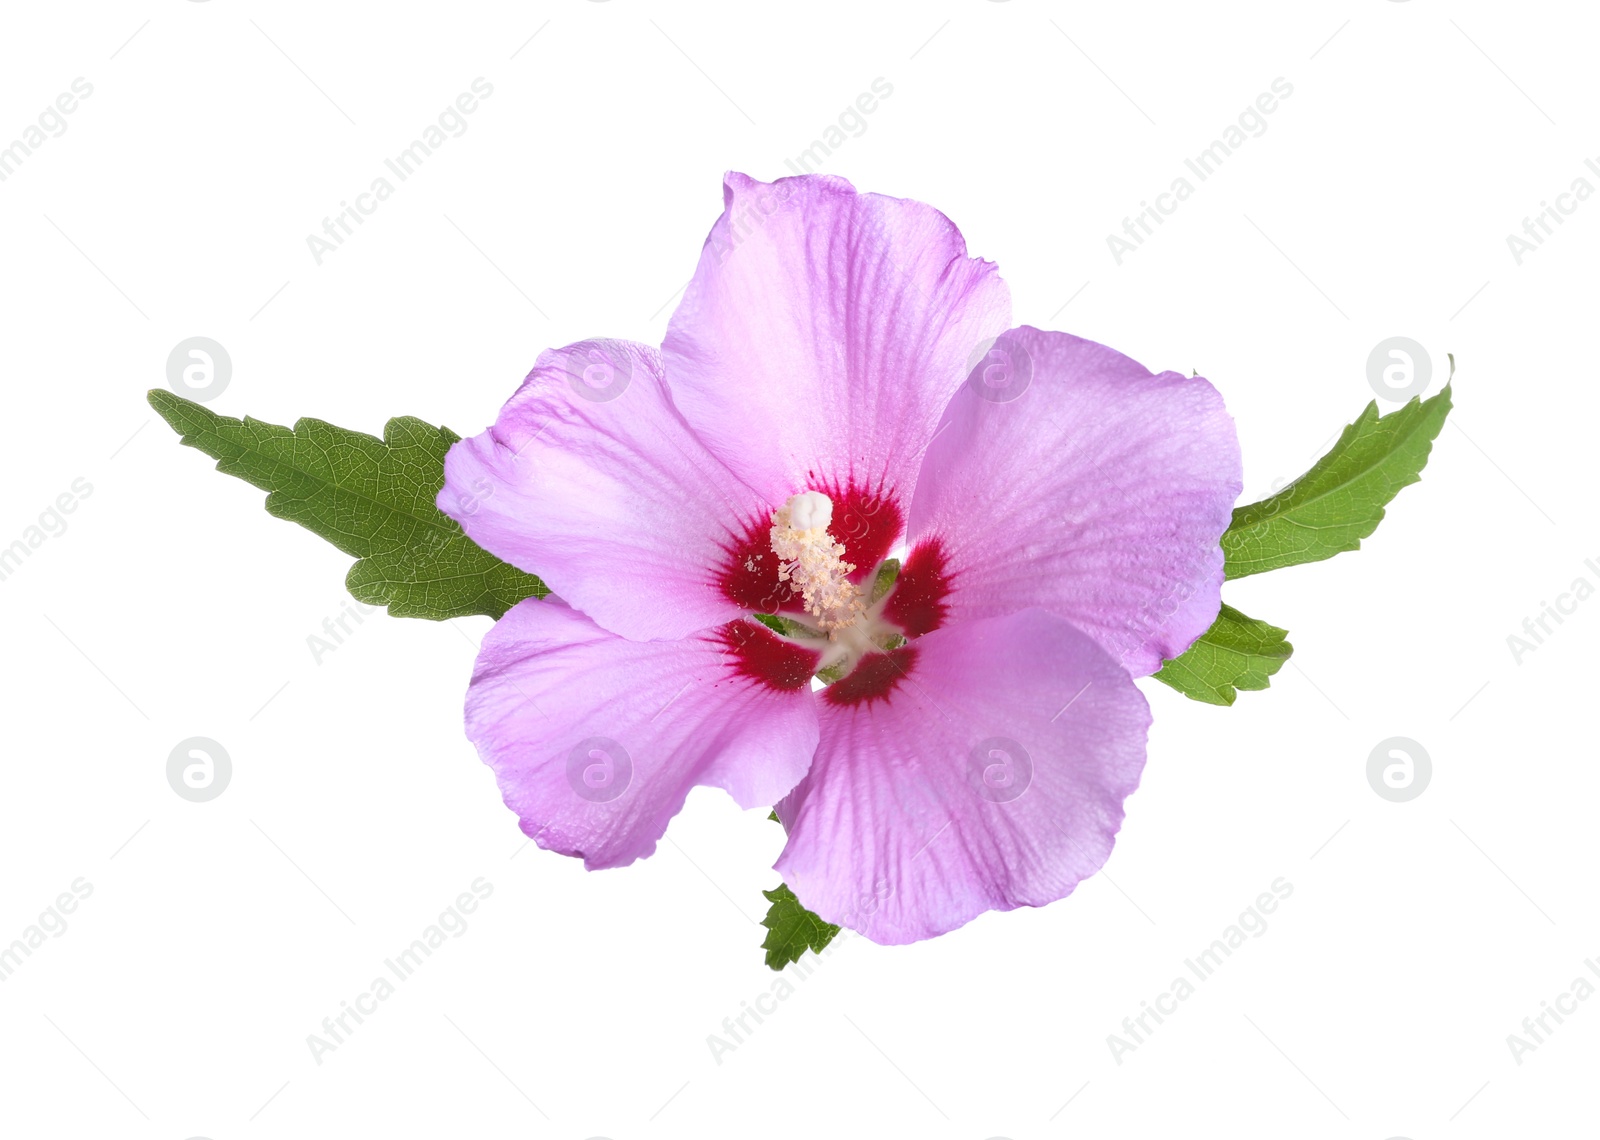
943, 734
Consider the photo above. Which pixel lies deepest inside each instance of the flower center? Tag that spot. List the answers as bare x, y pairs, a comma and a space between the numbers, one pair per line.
812, 562
852, 631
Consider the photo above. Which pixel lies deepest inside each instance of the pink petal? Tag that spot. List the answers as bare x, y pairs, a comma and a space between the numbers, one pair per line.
989, 776
1086, 486
596, 740
591, 480
824, 332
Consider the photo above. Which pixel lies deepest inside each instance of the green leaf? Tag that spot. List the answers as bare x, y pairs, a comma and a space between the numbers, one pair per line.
1340, 501
372, 498
792, 929
1237, 652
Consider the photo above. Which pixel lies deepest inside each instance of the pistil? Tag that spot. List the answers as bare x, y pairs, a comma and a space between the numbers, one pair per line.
812, 562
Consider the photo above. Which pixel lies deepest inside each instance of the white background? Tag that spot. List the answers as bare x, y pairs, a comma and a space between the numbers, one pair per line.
219, 935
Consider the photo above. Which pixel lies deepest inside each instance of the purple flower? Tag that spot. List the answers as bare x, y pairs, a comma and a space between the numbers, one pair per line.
838, 383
